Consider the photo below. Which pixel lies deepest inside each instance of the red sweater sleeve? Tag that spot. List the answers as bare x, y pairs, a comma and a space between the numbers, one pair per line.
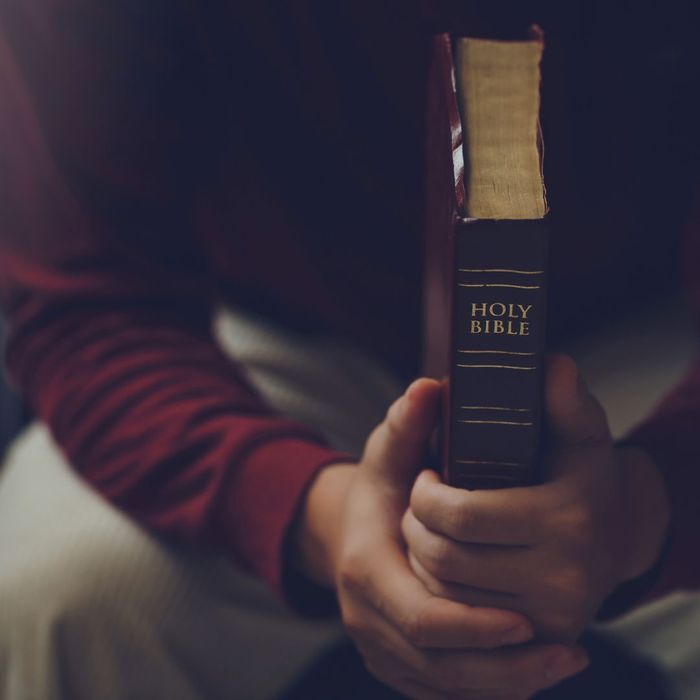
671, 435
106, 291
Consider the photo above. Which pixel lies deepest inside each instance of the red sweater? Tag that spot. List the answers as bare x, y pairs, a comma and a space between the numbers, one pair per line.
157, 158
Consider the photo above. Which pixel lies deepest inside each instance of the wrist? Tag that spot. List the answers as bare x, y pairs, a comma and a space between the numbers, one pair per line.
648, 511
318, 535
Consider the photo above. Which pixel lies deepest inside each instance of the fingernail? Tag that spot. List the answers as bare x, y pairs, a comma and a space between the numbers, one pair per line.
515, 635
564, 664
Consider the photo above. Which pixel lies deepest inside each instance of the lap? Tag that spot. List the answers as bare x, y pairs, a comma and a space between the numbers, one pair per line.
92, 601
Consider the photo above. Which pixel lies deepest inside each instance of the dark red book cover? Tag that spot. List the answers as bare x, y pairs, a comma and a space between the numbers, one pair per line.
484, 312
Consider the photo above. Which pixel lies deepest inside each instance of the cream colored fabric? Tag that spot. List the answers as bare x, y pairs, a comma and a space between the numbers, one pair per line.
667, 633
320, 381
93, 608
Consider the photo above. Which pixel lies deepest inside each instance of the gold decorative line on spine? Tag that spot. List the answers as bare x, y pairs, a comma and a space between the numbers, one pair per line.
495, 408
510, 286
498, 366
500, 269
497, 422
496, 352
486, 461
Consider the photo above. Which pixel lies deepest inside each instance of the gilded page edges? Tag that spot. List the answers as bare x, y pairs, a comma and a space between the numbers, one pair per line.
498, 88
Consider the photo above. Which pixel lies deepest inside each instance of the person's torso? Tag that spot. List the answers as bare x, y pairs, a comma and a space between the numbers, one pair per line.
315, 211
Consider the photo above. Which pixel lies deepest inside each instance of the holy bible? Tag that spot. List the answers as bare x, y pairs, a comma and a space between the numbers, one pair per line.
486, 257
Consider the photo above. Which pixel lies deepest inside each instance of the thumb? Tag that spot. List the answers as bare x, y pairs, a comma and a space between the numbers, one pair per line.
394, 450
574, 415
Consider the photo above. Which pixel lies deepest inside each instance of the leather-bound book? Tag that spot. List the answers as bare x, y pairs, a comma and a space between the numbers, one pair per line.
486, 257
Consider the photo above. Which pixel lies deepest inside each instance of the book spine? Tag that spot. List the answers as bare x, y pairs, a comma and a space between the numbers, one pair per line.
494, 411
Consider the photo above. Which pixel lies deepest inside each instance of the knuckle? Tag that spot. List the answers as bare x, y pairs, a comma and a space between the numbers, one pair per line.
417, 627
461, 517
414, 630
431, 583
439, 558
576, 527
351, 573
407, 526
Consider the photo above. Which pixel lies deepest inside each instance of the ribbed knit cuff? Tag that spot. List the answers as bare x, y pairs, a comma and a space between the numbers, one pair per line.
262, 497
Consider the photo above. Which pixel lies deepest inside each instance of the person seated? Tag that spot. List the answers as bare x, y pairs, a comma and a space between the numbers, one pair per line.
163, 160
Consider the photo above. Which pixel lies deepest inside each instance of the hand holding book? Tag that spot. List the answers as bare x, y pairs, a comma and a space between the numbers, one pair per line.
554, 551
424, 645
445, 589
581, 516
